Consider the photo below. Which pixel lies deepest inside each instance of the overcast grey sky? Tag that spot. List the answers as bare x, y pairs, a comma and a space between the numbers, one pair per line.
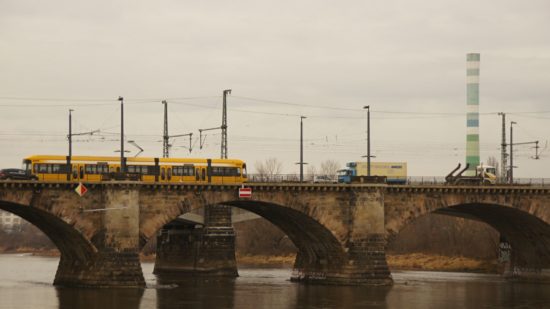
396, 56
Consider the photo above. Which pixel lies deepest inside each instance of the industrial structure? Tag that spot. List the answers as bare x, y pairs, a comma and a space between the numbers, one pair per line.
472, 110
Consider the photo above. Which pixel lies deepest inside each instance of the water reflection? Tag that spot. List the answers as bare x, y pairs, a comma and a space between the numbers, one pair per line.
122, 298
259, 289
26, 283
314, 296
177, 292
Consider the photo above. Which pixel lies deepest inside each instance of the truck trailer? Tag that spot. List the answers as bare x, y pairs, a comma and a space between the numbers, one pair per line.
393, 172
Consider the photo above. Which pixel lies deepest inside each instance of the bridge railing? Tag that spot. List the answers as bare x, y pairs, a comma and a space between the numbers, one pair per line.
435, 180
278, 178
411, 180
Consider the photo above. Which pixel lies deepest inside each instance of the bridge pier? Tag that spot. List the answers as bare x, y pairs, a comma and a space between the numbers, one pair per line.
514, 270
364, 264
521, 274
360, 257
185, 249
116, 261
104, 269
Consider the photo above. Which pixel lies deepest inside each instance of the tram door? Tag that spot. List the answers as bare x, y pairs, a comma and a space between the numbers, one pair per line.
165, 174
74, 175
200, 174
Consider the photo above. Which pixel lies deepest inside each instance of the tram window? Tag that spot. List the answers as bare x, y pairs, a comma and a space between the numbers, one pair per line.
102, 169
183, 171
169, 174
42, 168
90, 169
225, 171
27, 165
162, 174
50, 168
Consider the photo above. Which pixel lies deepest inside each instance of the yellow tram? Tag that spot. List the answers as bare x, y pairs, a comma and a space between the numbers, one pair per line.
149, 170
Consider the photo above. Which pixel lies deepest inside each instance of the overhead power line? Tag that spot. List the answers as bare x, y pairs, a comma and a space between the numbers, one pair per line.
94, 102
77, 102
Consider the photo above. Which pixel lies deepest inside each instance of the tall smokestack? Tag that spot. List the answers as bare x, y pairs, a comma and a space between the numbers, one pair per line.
472, 109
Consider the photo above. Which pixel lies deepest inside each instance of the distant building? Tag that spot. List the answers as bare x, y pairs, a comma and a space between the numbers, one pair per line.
9, 222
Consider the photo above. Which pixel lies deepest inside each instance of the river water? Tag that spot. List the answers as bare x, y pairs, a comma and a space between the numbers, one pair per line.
26, 282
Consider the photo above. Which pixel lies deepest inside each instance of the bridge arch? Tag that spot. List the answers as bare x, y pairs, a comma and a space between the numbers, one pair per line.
317, 245
339, 233
524, 221
528, 235
69, 241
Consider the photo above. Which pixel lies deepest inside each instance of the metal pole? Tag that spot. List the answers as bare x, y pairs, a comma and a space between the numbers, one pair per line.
511, 179
122, 163
302, 148
70, 134
503, 145
165, 150
70, 158
367, 107
368, 140
224, 125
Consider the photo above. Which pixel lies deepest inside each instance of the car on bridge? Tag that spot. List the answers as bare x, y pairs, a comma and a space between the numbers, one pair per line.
16, 174
324, 179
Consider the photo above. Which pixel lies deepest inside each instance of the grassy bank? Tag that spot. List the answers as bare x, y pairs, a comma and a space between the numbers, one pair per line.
412, 261
420, 261
265, 260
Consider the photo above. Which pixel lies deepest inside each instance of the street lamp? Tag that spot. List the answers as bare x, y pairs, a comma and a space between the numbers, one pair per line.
69, 159
367, 107
511, 179
70, 133
302, 149
122, 161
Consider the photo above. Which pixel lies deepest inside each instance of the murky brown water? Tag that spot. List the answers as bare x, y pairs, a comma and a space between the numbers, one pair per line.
25, 282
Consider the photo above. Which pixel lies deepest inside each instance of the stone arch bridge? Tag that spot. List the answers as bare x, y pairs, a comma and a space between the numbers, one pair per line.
340, 230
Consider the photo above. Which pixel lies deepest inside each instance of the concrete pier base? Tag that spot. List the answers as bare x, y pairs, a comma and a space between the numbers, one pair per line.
527, 275
364, 264
105, 269
193, 250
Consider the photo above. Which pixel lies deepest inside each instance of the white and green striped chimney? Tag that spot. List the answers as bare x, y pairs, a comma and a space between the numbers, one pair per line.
472, 111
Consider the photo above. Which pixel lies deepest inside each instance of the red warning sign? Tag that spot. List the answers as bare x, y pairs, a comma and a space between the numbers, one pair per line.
245, 192
81, 189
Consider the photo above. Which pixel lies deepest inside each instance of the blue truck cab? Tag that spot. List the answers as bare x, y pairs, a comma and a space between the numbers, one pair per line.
344, 175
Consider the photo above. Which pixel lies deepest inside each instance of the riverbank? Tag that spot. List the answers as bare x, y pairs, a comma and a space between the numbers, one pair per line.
412, 261
431, 262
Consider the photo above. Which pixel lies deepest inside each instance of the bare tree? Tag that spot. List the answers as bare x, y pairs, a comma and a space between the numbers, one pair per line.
269, 168
492, 161
311, 171
330, 168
